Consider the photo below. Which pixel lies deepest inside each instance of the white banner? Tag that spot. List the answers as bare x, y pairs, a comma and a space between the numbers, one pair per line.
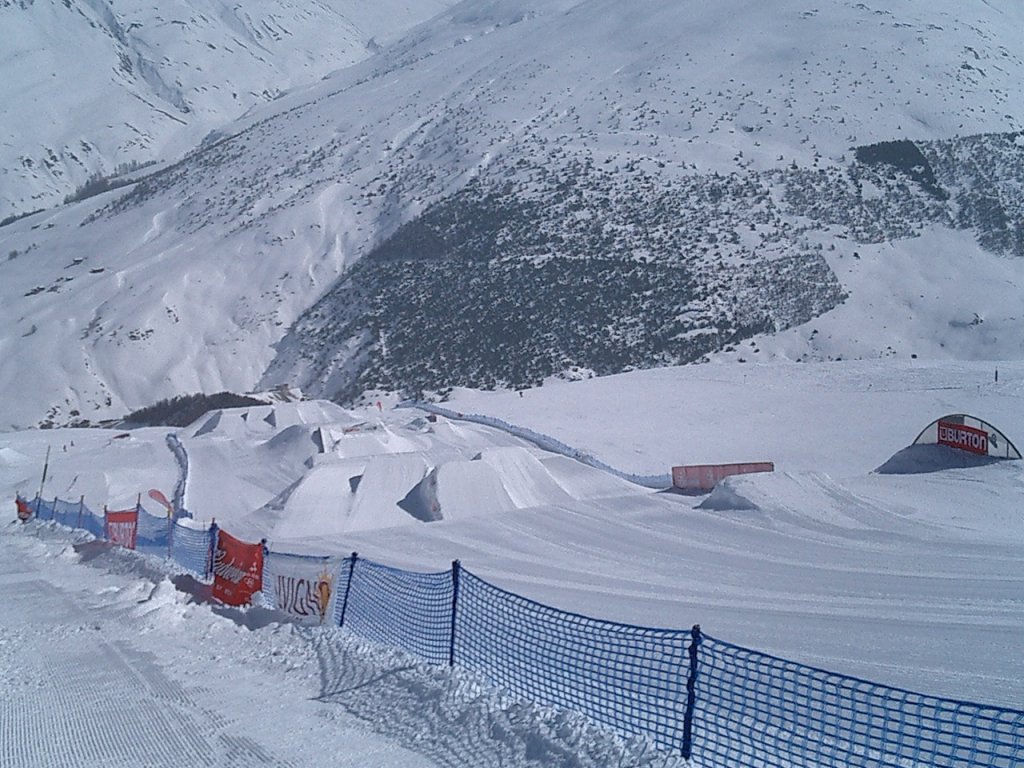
302, 587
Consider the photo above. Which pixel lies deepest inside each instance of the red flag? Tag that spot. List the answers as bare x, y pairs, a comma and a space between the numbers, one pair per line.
160, 499
24, 510
122, 526
237, 570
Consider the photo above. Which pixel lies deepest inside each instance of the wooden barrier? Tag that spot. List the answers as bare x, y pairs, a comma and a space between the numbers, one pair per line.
704, 477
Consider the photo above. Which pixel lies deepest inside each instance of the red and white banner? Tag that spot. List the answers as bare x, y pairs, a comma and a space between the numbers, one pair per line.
237, 570
704, 477
963, 437
24, 510
122, 527
301, 587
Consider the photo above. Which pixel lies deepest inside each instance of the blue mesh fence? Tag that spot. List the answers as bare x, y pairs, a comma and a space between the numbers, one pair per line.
411, 611
92, 523
152, 528
737, 707
757, 710
68, 512
43, 509
190, 548
632, 679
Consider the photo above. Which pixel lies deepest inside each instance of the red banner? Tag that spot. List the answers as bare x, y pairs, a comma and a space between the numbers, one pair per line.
963, 437
24, 510
122, 526
237, 570
704, 477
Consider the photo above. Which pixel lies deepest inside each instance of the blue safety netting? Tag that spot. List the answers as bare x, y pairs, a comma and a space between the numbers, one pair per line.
152, 529
43, 510
94, 524
718, 703
632, 679
411, 611
754, 709
73, 514
191, 548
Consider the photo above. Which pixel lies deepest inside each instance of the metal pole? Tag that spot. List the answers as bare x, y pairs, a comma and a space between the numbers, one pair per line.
46, 466
456, 567
691, 692
348, 587
210, 552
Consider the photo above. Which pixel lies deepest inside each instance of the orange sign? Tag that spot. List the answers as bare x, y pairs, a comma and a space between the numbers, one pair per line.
237, 570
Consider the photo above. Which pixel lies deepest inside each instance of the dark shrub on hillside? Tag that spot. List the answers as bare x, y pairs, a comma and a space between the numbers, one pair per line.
183, 410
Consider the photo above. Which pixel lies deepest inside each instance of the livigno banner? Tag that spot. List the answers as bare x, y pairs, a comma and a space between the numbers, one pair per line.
302, 587
237, 570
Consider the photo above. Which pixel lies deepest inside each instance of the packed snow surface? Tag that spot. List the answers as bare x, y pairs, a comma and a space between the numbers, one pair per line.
913, 579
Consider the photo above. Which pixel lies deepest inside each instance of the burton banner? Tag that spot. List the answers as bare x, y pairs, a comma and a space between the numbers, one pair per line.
302, 587
237, 570
121, 527
963, 437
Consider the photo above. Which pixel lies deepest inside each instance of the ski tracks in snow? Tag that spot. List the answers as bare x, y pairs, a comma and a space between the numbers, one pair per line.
106, 662
75, 695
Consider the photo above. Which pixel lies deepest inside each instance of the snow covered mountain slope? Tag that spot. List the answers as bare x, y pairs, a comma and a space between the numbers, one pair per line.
91, 87
695, 158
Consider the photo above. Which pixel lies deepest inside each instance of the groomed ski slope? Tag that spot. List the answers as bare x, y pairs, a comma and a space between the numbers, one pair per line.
912, 580
109, 659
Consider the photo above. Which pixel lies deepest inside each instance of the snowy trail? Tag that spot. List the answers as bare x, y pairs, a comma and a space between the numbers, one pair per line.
106, 662
115, 702
97, 672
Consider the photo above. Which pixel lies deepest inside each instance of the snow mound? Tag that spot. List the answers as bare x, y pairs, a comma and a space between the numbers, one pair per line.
366, 439
725, 497
919, 459
813, 504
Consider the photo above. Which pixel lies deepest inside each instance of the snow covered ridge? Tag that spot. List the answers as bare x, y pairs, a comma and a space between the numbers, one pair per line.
687, 692
659, 482
699, 132
164, 77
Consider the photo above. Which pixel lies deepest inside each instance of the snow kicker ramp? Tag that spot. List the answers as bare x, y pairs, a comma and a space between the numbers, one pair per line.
810, 502
459, 490
583, 482
527, 481
356, 495
319, 504
388, 479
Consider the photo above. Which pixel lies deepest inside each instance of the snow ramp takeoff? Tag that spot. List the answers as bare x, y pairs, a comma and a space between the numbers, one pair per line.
527, 481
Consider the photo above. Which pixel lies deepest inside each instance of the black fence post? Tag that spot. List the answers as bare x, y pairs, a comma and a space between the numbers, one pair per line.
211, 555
691, 692
348, 587
455, 602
